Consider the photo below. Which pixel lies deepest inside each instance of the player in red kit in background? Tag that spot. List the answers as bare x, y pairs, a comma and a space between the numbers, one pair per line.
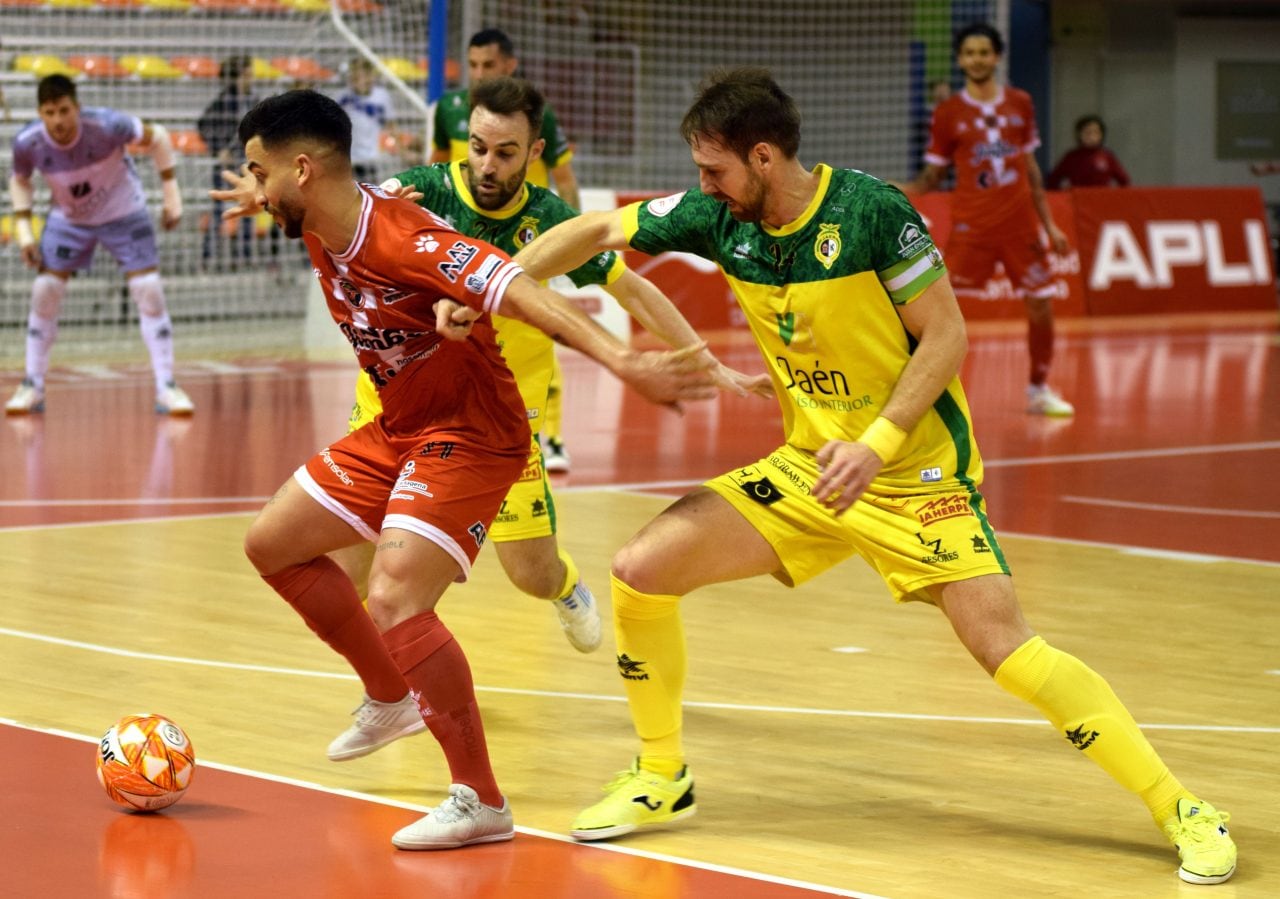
988, 133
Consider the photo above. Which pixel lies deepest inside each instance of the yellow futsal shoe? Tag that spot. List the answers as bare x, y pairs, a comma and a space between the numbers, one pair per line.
637, 798
1203, 842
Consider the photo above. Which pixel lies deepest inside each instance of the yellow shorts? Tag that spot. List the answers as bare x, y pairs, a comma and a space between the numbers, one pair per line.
911, 541
528, 509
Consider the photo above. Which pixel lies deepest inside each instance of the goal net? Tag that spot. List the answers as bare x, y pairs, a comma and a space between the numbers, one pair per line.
619, 74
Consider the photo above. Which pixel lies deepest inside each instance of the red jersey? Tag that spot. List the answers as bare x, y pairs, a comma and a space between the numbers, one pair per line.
988, 144
380, 292
1088, 167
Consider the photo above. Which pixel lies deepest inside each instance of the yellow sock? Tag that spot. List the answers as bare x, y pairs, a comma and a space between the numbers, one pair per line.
1083, 707
570, 574
652, 661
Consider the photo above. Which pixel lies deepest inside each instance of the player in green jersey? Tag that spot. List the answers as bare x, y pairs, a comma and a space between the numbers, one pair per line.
490, 54
851, 306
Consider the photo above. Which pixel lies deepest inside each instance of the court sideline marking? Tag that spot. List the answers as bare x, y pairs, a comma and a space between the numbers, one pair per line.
600, 697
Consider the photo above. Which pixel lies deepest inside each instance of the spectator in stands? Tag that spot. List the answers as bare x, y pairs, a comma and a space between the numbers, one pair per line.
1089, 164
368, 105
490, 54
217, 126
97, 197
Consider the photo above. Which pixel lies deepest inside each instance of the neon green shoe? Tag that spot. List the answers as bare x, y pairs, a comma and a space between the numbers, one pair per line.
636, 799
1203, 842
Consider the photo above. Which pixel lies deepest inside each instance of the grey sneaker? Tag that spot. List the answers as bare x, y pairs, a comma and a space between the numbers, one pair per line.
377, 724
28, 399
580, 618
461, 820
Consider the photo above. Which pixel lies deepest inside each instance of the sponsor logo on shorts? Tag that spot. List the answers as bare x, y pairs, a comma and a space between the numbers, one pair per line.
539, 509
333, 467
505, 515
478, 533
762, 491
930, 475
405, 486
953, 505
532, 471
796, 478
980, 545
939, 552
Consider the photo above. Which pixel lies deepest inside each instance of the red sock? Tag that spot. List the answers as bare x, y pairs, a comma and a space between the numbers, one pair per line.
327, 601
1040, 346
439, 678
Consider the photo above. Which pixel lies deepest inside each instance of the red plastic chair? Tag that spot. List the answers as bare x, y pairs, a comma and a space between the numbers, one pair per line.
98, 65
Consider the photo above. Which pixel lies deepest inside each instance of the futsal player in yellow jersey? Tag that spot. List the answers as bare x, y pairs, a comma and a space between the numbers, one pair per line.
851, 306
490, 54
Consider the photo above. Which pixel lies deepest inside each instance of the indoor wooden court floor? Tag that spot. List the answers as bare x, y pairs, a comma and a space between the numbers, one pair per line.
842, 745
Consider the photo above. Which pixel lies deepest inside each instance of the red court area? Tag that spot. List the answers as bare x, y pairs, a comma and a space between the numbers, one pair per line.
236, 835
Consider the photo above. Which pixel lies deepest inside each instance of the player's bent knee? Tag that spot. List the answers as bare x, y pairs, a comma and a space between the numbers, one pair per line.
47, 292
147, 292
636, 567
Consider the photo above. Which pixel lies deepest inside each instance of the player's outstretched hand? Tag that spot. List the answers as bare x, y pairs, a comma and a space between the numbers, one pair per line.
670, 377
241, 194
733, 381
392, 187
847, 470
453, 319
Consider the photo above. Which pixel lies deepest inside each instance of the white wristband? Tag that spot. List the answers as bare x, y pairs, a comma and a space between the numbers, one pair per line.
22, 231
161, 148
172, 198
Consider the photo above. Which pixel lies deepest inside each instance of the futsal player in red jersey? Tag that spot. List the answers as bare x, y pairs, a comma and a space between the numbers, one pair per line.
424, 479
988, 133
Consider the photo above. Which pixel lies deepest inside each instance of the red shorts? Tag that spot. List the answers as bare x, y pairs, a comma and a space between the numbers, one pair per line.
971, 258
445, 490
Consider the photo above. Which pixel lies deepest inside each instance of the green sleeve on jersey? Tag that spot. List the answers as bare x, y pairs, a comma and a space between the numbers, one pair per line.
907, 261
440, 126
558, 150
428, 180
684, 222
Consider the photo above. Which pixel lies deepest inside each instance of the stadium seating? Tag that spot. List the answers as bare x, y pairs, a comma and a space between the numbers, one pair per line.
98, 65
196, 66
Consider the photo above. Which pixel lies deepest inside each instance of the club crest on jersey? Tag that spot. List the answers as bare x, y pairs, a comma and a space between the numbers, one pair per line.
353, 294
527, 230
826, 247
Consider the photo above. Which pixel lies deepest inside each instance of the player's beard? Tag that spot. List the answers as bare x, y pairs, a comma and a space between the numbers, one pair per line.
506, 189
751, 207
290, 216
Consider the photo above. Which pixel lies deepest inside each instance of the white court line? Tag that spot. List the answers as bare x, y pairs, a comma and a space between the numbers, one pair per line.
600, 697
544, 834
1165, 507
141, 501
